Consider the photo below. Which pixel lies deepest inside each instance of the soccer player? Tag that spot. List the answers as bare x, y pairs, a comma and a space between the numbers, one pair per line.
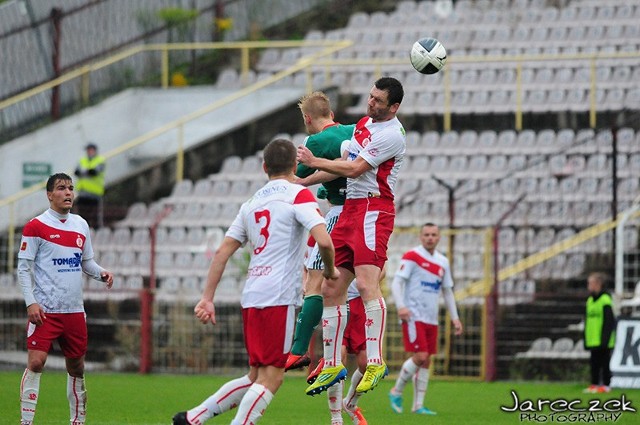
373, 158
423, 272
599, 332
327, 139
274, 222
54, 252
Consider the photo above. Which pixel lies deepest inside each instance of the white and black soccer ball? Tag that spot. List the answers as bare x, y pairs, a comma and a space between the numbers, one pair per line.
428, 55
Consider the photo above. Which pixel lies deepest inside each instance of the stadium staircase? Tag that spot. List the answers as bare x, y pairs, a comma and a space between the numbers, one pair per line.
550, 315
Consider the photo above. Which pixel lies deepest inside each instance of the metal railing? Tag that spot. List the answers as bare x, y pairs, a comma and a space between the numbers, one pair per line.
178, 124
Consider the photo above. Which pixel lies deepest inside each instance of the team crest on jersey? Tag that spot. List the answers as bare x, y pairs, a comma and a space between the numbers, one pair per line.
79, 242
373, 152
365, 142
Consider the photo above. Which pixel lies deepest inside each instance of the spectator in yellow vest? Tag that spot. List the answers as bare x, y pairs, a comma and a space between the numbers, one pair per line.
599, 332
90, 186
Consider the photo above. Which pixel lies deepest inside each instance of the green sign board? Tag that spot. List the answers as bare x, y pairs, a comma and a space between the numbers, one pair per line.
35, 172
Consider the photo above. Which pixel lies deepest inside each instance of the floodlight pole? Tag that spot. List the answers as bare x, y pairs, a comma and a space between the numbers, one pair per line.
451, 201
146, 298
491, 299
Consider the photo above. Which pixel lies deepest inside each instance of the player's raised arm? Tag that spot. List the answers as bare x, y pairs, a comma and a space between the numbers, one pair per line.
350, 169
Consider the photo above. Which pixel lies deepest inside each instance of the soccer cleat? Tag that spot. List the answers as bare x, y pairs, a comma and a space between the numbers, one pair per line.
356, 414
604, 389
295, 361
180, 418
591, 389
396, 402
328, 377
424, 411
372, 377
315, 372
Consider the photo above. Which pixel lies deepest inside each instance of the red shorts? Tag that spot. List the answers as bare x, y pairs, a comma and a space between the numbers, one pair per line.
268, 333
420, 337
354, 335
362, 232
70, 329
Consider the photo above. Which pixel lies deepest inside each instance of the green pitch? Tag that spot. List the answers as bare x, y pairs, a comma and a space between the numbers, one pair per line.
115, 399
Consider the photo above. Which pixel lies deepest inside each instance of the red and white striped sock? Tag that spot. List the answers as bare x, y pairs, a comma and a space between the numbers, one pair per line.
29, 390
408, 371
420, 384
334, 321
334, 396
375, 324
352, 397
253, 405
77, 396
226, 398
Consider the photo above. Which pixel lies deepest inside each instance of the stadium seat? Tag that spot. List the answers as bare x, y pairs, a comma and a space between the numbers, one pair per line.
540, 347
562, 347
140, 239
202, 189
121, 239
136, 212
103, 237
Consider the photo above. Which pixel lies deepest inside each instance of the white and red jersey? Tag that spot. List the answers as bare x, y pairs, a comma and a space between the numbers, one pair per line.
425, 274
275, 222
57, 249
382, 145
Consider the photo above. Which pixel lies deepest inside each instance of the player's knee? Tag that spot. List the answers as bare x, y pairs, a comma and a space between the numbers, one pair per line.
36, 365
421, 359
75, 367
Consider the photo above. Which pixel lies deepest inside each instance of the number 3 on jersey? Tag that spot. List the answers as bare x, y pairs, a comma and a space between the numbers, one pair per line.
263, 218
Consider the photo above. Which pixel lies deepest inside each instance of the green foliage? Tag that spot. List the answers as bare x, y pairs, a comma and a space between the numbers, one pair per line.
177, 19
116, 399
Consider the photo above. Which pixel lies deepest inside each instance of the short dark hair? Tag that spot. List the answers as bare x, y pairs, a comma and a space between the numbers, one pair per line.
51, 182
600, 277
429, 224
393, 87
279, 157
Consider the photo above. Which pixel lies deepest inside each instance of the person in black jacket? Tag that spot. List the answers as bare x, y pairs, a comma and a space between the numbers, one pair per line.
599, 332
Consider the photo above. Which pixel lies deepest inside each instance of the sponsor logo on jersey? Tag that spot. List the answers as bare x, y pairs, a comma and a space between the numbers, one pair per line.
54, 236
23, 247
433, 286
259, 271
271, 190
352, 156
373, 152
73, 262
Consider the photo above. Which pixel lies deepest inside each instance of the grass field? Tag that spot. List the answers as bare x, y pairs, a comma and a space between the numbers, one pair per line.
116, 399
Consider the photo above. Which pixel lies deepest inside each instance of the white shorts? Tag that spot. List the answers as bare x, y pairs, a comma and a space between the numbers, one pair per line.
314, 261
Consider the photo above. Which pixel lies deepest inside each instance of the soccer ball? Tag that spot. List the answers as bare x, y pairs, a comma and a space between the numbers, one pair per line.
428, 55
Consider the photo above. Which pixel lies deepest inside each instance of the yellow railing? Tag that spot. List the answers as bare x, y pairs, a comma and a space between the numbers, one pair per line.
318, 58
303, 63
481, 287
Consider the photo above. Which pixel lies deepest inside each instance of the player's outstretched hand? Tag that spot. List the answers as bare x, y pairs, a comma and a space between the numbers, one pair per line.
107, 277
305, 156
205, 312
331, 274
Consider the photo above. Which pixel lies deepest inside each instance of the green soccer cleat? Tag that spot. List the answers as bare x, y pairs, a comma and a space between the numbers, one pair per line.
372, 377
327, 378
